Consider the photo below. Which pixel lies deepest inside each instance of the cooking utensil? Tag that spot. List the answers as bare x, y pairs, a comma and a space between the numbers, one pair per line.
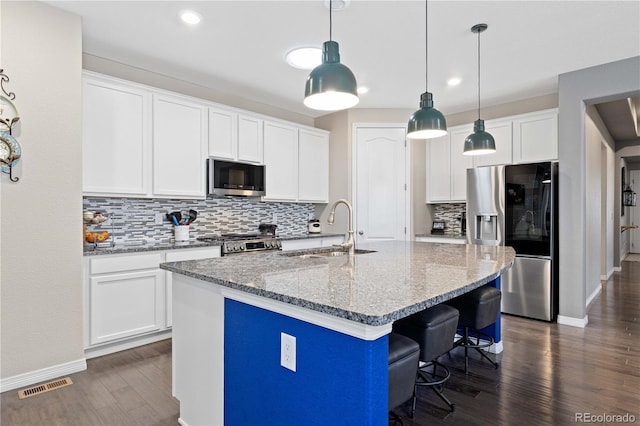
192, 216
171, 217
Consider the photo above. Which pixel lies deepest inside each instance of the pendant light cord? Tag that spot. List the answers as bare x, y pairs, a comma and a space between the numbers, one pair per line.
330, 20
479, 74
426, 46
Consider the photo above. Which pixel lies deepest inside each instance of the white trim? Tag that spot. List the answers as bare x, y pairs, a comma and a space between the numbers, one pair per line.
37, 376
110, 348
617, 268
341, 325
593, 295
407, 171
573, 322
608, 275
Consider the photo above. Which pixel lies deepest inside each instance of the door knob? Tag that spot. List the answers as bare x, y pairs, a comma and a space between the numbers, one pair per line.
360, 232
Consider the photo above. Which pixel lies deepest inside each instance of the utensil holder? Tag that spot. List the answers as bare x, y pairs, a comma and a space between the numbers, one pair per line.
181, 233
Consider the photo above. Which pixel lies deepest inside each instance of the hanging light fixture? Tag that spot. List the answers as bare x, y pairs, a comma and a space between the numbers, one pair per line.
628, 197
479, 142
427, 122
331, 86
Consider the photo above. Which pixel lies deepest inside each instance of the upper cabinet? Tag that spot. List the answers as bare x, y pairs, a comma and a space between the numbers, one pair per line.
524, 138
535, 137
235, 136
179, 146
116, 134
297, 163
139, 141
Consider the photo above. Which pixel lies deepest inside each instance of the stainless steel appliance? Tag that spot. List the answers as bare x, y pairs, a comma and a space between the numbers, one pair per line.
517, 206
245, 243
230, 178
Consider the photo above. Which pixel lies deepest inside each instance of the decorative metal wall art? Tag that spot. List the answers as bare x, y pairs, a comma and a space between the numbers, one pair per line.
10, 151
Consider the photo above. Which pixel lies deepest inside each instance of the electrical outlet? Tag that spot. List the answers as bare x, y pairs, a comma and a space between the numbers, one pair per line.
288, 351
312, 216
159, 218
274, 219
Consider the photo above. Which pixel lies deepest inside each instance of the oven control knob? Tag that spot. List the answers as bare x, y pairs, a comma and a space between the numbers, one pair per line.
268, 244
279, 243
241, 247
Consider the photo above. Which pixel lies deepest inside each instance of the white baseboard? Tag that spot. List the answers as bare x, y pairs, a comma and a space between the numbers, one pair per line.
608, 275
126, 344
573, 322
593, 295
37, 376
617, 268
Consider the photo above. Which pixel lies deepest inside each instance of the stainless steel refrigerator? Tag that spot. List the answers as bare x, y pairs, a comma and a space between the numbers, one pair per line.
517, 206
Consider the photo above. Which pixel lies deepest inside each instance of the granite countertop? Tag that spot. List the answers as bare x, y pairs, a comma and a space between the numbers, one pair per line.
452, 237
169, 244
399, 279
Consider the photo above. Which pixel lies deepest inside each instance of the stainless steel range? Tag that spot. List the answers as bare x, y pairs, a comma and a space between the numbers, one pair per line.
245, 243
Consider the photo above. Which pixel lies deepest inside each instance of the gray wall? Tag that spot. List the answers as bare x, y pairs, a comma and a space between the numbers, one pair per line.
41, 222
576, 90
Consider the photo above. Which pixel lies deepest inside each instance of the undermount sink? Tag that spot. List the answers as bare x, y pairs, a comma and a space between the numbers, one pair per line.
321, 254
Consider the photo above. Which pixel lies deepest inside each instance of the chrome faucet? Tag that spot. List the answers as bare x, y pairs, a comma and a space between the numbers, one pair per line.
349, 244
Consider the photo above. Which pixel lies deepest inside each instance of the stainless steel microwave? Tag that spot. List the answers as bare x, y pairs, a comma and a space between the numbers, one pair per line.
231, 178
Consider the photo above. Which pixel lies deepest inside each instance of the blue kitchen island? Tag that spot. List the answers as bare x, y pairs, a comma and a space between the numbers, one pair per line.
238, 319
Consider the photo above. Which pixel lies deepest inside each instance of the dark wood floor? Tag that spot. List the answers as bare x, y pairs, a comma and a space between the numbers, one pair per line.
547, 374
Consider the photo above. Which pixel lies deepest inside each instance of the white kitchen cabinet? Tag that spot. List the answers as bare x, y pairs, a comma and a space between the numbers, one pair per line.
535, 137
177, 256
281, 161
502, 134
126, 297
313, 166
116, 137
439, 239
309, 243
459, 163
438, 170
179, 147
235, 136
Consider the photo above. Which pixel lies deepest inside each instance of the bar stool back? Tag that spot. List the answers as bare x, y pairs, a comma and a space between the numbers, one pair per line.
404, 356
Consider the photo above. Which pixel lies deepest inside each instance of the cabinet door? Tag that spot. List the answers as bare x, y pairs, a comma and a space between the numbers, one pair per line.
535, 137
125, 304
177, 256
250, 139
313, 166
281, 161
223, 133
179, 140
501, 132
116, 138
307, 243
438, 170
459, 162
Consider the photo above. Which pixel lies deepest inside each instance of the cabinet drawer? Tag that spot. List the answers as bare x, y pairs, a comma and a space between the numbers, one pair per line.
125, 263
180, 255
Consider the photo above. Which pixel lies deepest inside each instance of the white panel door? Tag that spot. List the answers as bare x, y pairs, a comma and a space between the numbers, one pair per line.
281, 161
313, 166
381, 190
250, 139
535, 137
179, 146
459, 163
116, 137
438, 170
223, 133
634, 176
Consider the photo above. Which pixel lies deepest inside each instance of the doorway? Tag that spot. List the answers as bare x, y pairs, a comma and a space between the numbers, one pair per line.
380, 182
634, 213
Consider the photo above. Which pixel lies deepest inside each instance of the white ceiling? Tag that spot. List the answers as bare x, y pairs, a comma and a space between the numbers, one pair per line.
239, 46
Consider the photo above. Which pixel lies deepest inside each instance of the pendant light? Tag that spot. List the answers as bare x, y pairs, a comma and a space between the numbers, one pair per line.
479, 142
331, 86
427, 122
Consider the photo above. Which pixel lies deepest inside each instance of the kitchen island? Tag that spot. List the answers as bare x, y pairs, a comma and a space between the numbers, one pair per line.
230, 314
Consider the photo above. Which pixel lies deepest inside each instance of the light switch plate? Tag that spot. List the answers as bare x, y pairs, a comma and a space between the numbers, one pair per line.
159, 218
288, 351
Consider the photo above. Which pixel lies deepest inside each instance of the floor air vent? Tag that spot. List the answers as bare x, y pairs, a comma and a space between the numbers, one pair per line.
46, 387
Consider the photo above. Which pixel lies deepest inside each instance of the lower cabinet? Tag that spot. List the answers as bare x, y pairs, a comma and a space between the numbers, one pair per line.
128, 298
308, 243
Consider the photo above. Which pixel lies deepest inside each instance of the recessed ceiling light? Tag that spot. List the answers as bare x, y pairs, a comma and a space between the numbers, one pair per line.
337, 4
454, 81
190, 17
362, 90
306, 58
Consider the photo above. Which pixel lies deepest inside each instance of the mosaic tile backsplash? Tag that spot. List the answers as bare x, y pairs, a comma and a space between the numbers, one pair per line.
451, 214
134, 219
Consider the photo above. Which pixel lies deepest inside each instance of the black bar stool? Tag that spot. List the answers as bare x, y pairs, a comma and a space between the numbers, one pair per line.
434, 329
478, 309
404, 356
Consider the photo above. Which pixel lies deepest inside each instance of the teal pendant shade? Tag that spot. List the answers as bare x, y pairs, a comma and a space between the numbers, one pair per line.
331, 86
427, 122
479, 142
